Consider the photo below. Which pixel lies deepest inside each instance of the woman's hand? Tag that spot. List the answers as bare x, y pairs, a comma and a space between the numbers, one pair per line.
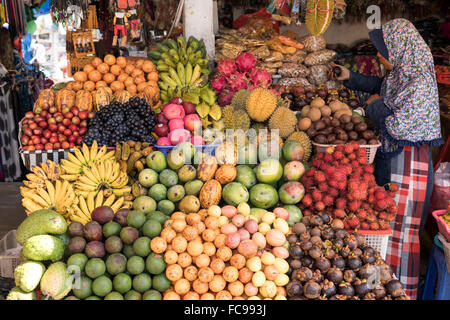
373, 98
345, 73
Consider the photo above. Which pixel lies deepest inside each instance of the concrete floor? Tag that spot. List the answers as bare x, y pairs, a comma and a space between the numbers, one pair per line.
11, 211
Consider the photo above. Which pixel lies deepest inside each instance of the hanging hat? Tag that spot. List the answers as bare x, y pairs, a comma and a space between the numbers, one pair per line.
376, 36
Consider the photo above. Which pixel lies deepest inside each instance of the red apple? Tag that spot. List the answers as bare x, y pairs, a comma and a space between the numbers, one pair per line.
65, 110
73, 127
29, 115
59, 117
71, 145
91, 115
53, 140
53, 109
37, 110
192, 122
67, 132
161, 130
65, 145
45, 106
48, 116
189, 108
38, 131
176, 101
51, 120
28, 132
53, 127
82, 131
39, 146
61, 128
83, 123
43, 124
24, 140
75, 111
79, 140
30, 148
25, 121
66, 122
44, 113
160, 118
76, 133
48, 146
47, 134
62, 138
44, 141
56, 145
72, 138
76, 120
83, 114
33, 125
38, 119
54, 134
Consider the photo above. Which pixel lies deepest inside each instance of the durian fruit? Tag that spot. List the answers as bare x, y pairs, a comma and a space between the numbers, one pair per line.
261, 103
303, 138
240, 99
235, 119
284, 120
319, 14
258, 126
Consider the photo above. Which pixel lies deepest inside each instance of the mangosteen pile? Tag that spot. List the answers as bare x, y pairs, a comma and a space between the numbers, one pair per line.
329, 263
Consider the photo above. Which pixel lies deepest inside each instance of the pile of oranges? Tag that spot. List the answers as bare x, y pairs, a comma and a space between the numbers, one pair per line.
117, 74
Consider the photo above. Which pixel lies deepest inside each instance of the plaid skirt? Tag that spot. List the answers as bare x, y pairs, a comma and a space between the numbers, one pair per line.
412, 170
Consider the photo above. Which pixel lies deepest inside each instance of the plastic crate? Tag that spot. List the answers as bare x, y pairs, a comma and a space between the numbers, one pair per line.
377, 240
207, 148
444, 228
9, 254
371, 150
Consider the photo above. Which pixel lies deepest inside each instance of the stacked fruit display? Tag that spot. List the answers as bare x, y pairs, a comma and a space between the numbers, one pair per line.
183, 69
117, 122
119, 78
86, 180
117, 257
328, 263
239, 74
49, 127
179, 123
341, 183
131, 156
208, 258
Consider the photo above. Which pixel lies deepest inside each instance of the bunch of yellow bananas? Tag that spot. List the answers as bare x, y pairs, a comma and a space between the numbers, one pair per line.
44, 190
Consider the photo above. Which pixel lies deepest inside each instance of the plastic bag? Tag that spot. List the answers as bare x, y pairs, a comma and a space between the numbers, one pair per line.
292, 70
319, 74
264, 17
314, 43
441, 189
294, 82
320, 57
298, 57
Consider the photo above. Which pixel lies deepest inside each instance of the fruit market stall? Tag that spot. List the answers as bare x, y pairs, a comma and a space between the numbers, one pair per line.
248, 176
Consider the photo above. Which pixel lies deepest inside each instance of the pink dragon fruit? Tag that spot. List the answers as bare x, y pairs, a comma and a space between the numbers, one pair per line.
217, 83
238, 81
225, 97
260, 78
246, 62
226, 67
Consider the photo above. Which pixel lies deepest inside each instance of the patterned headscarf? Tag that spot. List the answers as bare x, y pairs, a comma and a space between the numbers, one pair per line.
409, 90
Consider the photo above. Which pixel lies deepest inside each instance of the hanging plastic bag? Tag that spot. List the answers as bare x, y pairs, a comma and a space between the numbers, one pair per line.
441, 190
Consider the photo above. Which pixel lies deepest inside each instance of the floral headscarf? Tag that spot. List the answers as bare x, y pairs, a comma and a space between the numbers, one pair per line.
409, 90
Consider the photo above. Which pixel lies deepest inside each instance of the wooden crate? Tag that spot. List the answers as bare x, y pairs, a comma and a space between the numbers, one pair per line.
75, 64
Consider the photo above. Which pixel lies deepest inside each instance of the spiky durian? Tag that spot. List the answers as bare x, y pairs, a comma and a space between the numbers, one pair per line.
284, 120
235, 119
240, 99
303, 138
261, 103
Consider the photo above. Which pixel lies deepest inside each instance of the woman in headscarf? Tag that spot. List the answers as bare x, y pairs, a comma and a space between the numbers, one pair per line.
404, 106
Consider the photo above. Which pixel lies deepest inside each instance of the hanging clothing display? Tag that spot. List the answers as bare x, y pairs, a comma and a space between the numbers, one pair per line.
9, 145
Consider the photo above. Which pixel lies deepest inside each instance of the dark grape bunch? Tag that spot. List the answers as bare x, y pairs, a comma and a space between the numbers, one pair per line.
118, 122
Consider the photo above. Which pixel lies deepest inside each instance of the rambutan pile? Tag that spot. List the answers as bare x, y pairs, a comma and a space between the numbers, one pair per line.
341, 183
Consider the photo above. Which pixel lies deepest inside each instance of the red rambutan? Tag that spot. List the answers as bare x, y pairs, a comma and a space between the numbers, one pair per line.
344, 161
369, 168
328, 158
380, 195
391, 194
348, 148
333, 192
319, 206
330, 171
341, 185
365, 226
371, 218
316, 162
353, 185
323, 187
316, 195
310, 172
383, 215
390, 217
393, 187
328, 200
339, 148
338, 155
340, 203
319, 176
333, 183
307, 200
374, 226
355, 145
362, 160
352, 157
307, 213
384, 225
393, 209
362, 152
353, 222
339, 213
354, 205
362, 214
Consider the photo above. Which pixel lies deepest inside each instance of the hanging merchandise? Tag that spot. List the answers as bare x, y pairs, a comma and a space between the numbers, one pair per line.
133, 20
60, 12
75, 16
319, 15
120, 25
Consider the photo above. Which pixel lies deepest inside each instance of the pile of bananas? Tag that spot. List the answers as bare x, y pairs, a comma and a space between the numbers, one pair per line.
182, 68
131, 156
45, 189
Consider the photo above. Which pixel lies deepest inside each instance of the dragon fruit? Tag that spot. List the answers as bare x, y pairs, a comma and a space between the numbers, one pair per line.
260, 78
238, 81
246, 62
225, 97
226, 67
217, 83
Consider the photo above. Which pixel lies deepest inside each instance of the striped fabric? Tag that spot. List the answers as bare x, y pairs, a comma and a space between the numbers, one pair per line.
410, 171
33, 158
